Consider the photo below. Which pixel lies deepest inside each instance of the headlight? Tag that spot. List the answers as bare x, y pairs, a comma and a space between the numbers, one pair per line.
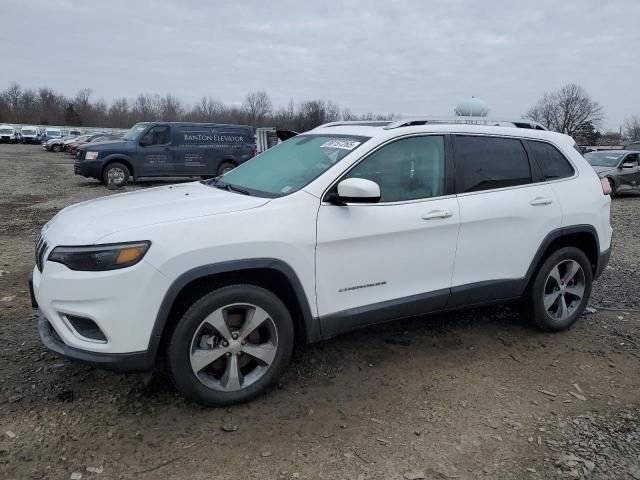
96, 258
91, 156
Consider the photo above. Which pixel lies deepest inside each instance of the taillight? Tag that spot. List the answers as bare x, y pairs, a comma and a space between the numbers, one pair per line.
606, 186
254, 152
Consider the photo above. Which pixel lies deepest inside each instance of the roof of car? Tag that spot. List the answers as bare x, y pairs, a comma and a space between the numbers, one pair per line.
379, 131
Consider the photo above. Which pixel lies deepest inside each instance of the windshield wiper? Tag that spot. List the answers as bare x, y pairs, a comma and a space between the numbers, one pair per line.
228, 187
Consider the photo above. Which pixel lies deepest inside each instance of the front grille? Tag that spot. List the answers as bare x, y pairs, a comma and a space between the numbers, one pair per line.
41, 249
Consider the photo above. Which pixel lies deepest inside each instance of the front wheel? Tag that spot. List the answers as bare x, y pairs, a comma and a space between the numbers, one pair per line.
116, 174
56, 148
560, 290
231, 345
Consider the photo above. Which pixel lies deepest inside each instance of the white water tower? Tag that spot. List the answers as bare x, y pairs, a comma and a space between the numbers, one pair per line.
472, 107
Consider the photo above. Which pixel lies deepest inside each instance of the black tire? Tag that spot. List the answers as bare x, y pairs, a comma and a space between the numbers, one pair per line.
56, 148
540, 288
116, 173
612, 184
178, 354
226, 166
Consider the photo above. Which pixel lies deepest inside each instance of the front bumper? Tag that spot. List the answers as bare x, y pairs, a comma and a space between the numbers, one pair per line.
120, 362
122, 304
88, 168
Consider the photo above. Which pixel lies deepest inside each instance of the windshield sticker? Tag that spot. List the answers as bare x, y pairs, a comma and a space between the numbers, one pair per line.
612, 157
286, 189
342, 144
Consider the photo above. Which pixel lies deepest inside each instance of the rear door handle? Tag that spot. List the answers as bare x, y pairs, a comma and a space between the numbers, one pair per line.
541, 201
436, 214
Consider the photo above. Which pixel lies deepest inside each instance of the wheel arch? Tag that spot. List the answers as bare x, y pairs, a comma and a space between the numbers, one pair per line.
271, 274
120, 159
584, 237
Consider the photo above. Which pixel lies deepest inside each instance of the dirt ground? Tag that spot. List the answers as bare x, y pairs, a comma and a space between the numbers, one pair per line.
475, 394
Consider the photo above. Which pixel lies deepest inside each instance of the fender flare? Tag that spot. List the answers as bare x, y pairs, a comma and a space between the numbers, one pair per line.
311, 324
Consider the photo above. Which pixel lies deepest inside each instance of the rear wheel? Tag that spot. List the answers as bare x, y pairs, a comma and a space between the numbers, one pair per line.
560, 290
231, 345
56, 148
226, 166
116, 174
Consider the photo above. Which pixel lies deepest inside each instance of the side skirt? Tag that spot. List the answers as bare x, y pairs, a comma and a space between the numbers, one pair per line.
465, 296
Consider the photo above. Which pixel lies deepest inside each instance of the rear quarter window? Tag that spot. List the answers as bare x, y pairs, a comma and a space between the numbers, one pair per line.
553, 164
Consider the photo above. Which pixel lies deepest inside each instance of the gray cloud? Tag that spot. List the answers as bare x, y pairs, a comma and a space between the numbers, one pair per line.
408, 56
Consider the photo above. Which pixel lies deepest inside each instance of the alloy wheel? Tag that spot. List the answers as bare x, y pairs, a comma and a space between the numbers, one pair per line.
233, 347
564, 290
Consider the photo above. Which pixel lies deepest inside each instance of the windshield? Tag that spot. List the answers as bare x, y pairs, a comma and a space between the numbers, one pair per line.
134, 131
603, 159
5, 130
292, 164
28, 132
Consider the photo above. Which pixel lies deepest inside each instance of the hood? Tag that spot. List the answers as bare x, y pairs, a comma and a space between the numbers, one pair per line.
603, 170
87, 222
107, 145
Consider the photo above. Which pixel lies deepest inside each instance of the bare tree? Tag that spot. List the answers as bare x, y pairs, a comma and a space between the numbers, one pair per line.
207, 110
171, 108
632, 129
12, 95
257, 105
566, 110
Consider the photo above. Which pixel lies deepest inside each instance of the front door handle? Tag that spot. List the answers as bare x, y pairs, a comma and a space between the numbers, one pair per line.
436, 214
541, 201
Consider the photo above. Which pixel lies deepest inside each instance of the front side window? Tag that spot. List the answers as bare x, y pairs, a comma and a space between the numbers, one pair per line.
485, 163
552, 163
291, 165
631, 159
160, 135
407, 169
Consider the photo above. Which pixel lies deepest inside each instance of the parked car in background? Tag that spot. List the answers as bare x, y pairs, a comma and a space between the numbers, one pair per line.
159, 149
58, 144
72, 147
29, 134
78, 139
342, 227
621, 168
74, 132
8, 134
50, 133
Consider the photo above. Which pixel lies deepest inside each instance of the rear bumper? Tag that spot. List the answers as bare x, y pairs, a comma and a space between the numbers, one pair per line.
603, 261
119, 362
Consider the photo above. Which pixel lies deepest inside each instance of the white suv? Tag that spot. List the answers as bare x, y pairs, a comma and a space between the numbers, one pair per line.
345, 226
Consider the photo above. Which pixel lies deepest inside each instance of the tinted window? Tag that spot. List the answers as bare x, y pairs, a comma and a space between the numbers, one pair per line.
407, 169
552, 163
160, 135
631, 159
483, 163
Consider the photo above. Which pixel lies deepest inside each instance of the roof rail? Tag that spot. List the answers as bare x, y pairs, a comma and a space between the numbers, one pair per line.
360, 123
521, 123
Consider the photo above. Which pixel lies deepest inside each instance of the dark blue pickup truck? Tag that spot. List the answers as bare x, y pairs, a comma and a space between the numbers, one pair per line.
167, 149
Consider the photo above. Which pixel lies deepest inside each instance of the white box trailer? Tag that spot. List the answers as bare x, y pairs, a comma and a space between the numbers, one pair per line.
267, 137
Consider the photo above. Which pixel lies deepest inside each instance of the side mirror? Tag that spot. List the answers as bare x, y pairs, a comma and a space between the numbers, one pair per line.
627, 165
355, 190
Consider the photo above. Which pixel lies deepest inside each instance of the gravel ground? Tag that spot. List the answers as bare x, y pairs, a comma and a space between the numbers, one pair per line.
475, 394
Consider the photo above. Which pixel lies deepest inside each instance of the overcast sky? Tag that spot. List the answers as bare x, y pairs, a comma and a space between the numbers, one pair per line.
410, 56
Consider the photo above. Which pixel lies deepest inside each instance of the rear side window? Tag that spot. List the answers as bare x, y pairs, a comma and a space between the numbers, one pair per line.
552, 163
484, 163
